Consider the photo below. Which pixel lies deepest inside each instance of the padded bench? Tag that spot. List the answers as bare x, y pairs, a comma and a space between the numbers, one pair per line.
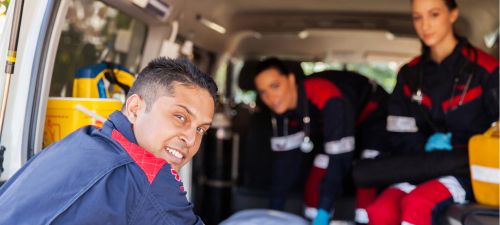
472, 214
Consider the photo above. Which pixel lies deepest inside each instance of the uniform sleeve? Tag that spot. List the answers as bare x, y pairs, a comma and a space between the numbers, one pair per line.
107, 202
491, 93
401, 125
338, 117
371, 134
167, 202
338, 120
124, 196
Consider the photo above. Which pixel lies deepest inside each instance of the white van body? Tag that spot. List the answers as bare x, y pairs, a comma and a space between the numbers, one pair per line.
314, 30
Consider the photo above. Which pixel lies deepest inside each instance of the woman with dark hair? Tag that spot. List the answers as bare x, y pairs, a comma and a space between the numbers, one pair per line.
441, 99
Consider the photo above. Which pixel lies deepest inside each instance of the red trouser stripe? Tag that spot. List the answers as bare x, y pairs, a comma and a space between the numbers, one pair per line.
394, 206
311, 195
365, 196
385, 210
417, 206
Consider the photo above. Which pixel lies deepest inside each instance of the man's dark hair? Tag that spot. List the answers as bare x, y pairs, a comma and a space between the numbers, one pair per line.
158, 77
273, 63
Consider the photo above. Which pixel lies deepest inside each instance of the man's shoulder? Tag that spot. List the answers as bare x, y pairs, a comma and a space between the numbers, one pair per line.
88, 142
70, 168
86, 151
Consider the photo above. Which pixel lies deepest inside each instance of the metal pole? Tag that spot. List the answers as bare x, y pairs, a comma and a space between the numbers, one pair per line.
9, 67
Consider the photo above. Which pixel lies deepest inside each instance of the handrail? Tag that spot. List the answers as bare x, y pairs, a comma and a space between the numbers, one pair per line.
9, 67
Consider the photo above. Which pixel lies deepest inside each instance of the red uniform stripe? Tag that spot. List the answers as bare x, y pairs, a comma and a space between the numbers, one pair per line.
469, 96
386, 208
417, 206
365, 197
414, 61
311, 192
320, 90
369, 108
407, 91
484, 59
426, 101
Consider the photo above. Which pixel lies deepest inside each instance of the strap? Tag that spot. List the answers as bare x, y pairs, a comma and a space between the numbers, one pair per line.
112, 78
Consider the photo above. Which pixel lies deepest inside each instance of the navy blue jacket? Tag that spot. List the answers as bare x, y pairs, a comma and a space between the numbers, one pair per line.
96, 176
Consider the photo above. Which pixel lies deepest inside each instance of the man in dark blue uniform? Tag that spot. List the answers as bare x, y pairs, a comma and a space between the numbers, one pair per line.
125, 172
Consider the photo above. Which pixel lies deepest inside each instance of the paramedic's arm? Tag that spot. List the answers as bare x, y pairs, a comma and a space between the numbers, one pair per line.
490, 96
338, 128
371, 133
401, 125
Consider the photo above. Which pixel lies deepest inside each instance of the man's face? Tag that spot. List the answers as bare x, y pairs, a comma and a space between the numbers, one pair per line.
173, 128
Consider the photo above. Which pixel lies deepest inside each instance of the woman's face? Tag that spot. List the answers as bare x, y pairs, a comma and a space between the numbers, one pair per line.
433, 21
275, 90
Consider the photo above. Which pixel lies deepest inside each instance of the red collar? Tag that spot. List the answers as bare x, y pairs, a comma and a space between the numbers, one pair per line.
149, 163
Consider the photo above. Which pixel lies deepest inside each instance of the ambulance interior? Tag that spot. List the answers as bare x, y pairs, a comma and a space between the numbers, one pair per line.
225, 38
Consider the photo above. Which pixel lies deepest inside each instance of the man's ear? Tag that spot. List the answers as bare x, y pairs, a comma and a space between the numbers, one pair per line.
133, 106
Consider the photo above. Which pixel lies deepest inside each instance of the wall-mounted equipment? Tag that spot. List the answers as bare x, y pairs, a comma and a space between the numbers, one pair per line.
159, 8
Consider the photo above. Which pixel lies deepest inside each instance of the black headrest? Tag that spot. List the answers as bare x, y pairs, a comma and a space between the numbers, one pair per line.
247, 73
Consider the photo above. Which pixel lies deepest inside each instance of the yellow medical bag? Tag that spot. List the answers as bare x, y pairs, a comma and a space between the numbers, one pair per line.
484, 165
65, 115
90, 81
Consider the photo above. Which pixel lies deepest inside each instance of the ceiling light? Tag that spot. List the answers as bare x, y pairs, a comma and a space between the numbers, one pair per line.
491, 38
210, 24
393, 65
303, 34
390, 36
3, 9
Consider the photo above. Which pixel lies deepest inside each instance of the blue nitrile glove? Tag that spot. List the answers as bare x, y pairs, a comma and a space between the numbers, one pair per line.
439, 141
321, 218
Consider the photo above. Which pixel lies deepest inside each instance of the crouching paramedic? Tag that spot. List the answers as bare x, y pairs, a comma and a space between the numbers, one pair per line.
126, 171
320, 113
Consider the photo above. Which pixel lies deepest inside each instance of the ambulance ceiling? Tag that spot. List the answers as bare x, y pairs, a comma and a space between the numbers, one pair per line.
318, 28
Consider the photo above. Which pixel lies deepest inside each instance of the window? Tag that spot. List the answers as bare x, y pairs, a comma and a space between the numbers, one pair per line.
4, 4
93, 33
383, 73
